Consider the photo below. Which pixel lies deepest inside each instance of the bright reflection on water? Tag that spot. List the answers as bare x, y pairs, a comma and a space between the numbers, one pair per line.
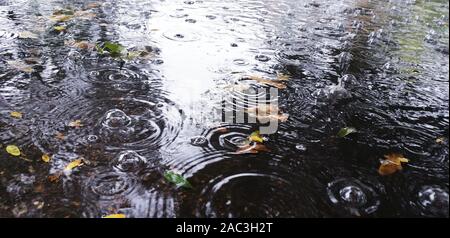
379, 66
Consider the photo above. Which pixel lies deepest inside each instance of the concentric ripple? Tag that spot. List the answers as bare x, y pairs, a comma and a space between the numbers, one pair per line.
115, 124
246, 195
227, 137
353, 197
109, 185
432, 201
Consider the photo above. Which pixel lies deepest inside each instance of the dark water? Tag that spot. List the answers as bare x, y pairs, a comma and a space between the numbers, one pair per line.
143, 116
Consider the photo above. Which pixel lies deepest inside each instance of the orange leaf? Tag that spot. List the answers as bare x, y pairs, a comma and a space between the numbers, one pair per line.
392, 164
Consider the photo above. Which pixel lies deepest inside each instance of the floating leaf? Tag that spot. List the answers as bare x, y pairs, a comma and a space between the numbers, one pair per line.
84, 45
440, 140
63, 12
21, 66
283, 77
46, 158
177, 179
13, 150
61, 17
256, 137
392, 164
27, 35
274, 83
85, 15
346, 131
16, 114
59, 28
265, 112
115, 216
74, 164
60, 136
54, 177
113, 48
252, 149
76, 124
93, 5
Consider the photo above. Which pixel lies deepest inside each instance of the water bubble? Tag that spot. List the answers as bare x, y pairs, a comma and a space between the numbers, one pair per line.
353, 196
262, 58
434, 201
116, 119
199, 141
129, 161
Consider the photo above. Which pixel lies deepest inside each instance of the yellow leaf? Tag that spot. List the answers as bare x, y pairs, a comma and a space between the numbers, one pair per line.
16, 114
13, 150
256, 137
74, 164
76, 124
59, 28
115, 216
46, 158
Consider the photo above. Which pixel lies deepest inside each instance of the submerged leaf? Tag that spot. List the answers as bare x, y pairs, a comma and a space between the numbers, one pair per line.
346, 131
13, 150
177, 179
115, 216
27, 35
392, 164
16, 114
46, 158
74, 164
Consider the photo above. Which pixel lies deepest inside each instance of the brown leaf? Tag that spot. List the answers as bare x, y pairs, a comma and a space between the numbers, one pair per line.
60, 136
54, 177
265, 112
274, 83
252, 149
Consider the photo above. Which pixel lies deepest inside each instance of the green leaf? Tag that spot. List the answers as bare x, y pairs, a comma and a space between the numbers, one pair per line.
99, 49
113, 48
256, 137
346, 131
177, 179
